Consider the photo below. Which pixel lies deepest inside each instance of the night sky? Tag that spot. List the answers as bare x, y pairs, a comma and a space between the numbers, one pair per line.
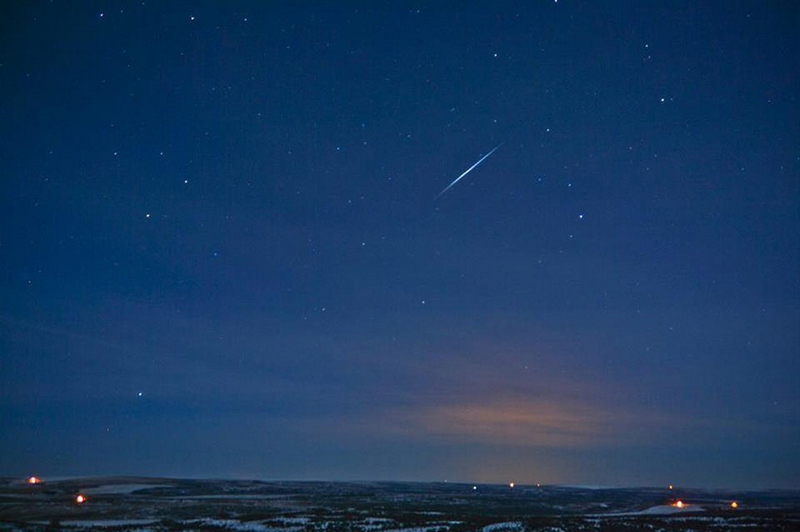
222, 253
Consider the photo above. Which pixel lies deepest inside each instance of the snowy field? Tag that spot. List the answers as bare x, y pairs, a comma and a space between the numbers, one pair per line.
160, 505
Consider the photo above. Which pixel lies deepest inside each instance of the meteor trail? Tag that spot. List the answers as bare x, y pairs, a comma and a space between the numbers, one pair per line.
468, 170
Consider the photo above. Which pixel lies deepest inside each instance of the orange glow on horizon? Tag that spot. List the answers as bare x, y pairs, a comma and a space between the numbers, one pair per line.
34, 480
734, 505
80, 499
532, 422
678, 504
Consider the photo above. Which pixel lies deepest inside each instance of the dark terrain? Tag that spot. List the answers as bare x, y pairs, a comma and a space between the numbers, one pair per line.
155, 504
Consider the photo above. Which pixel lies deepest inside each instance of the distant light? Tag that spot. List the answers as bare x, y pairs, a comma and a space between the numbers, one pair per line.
511, 485
474, 487
34, 480
671, 487
734, 505
678, 504
80, 499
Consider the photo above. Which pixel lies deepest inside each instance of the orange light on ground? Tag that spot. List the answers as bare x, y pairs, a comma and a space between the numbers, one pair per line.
678, 504
80, 499
734, 505
34, 480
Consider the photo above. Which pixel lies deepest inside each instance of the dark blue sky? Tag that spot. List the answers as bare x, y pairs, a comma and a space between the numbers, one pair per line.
221, 252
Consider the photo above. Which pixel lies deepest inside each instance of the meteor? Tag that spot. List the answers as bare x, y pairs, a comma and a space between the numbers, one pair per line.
468, 170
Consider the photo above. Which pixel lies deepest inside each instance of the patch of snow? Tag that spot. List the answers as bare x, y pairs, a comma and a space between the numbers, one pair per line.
667, 509
238, 526
433, 528
664, 509
121, 489
292, 520
496, 527
374, 524
102, 523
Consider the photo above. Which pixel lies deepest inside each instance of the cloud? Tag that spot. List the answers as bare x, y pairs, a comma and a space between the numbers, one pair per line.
516, 422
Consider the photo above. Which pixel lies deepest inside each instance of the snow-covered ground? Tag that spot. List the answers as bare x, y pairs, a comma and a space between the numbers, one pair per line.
116, 504
105, 523
121, 489
513, 526
238, 526
663, 509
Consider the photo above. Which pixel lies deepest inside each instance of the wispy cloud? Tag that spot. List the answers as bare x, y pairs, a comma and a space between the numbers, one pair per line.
517, 422
536, 423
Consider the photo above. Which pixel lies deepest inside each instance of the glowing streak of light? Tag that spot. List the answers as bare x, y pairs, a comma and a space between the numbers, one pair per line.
468, 170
